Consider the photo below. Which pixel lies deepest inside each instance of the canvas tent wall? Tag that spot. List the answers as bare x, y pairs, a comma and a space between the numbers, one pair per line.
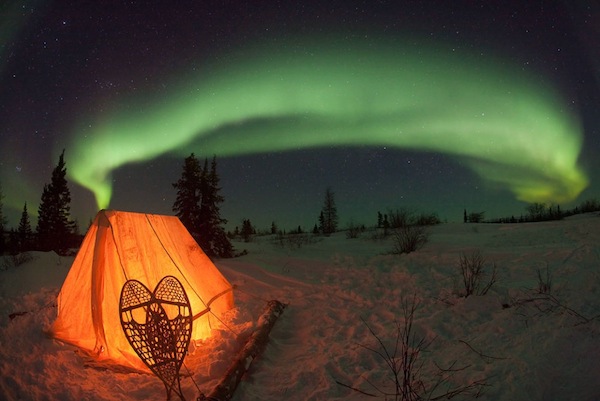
120, 246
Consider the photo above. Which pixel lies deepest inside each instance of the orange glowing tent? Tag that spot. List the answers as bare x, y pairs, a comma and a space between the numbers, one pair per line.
121, 246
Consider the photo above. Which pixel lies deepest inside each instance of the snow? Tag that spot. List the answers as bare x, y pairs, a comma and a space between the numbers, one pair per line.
521, 347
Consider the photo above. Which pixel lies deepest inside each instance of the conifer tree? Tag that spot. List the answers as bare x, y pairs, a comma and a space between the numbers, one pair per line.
206, 202
55, 228
386, 224
24, 232
247, 230
197, 206
187, 202
328, 218
213, 240
321, 222
2, 223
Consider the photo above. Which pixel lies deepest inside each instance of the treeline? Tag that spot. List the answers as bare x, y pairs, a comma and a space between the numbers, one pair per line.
55, 230
196, 204
537, 212
328, 223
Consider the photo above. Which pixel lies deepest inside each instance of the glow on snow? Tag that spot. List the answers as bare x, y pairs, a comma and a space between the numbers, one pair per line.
510, 127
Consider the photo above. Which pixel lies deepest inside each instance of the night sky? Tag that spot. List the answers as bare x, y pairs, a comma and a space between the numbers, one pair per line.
433, 106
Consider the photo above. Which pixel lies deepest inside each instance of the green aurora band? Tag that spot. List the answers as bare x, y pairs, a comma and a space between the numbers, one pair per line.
512, 129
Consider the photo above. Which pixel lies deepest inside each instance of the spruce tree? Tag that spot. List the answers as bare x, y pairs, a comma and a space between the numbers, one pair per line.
197, 206
206, 207
213, 240
322, 222
55, 228
328, 217
247, 230
187, 202
2, 223
24, 232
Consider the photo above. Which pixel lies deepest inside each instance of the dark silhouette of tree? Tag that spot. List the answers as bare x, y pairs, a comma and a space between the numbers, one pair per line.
554, 213
536, 211
2, 223
379, 220
187, 201
399, 218
247, 230
589, 205
197, 206
55, 229
476, 217
321, 222
273, 228
12, 244
465, 216
328, 218
214, 241
24, 232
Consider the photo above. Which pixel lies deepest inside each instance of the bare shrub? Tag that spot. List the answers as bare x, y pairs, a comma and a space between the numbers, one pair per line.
353, 230
379, 234
541, 301
425, 219
544, 281
403, 361
547, 303
476, 217
399, 218
536, 211
294, 241
402, 358
409, 239
16, 260
472, 270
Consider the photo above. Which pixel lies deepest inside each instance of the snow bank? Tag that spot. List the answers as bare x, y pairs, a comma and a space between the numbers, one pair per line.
521, 347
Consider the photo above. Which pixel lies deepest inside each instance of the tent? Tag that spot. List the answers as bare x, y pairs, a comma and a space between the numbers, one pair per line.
121, 246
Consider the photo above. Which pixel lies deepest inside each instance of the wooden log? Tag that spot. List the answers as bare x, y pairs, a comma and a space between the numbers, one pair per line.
250, 351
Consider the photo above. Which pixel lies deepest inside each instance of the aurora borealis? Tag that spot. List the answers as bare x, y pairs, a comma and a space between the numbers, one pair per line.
499, 125
509, 128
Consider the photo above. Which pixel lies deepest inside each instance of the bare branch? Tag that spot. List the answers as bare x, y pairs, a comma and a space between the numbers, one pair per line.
472, 272
481, 354
355, 389
405, 365
451, 368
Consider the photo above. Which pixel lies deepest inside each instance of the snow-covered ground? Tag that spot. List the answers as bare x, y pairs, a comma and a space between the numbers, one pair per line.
521, 345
